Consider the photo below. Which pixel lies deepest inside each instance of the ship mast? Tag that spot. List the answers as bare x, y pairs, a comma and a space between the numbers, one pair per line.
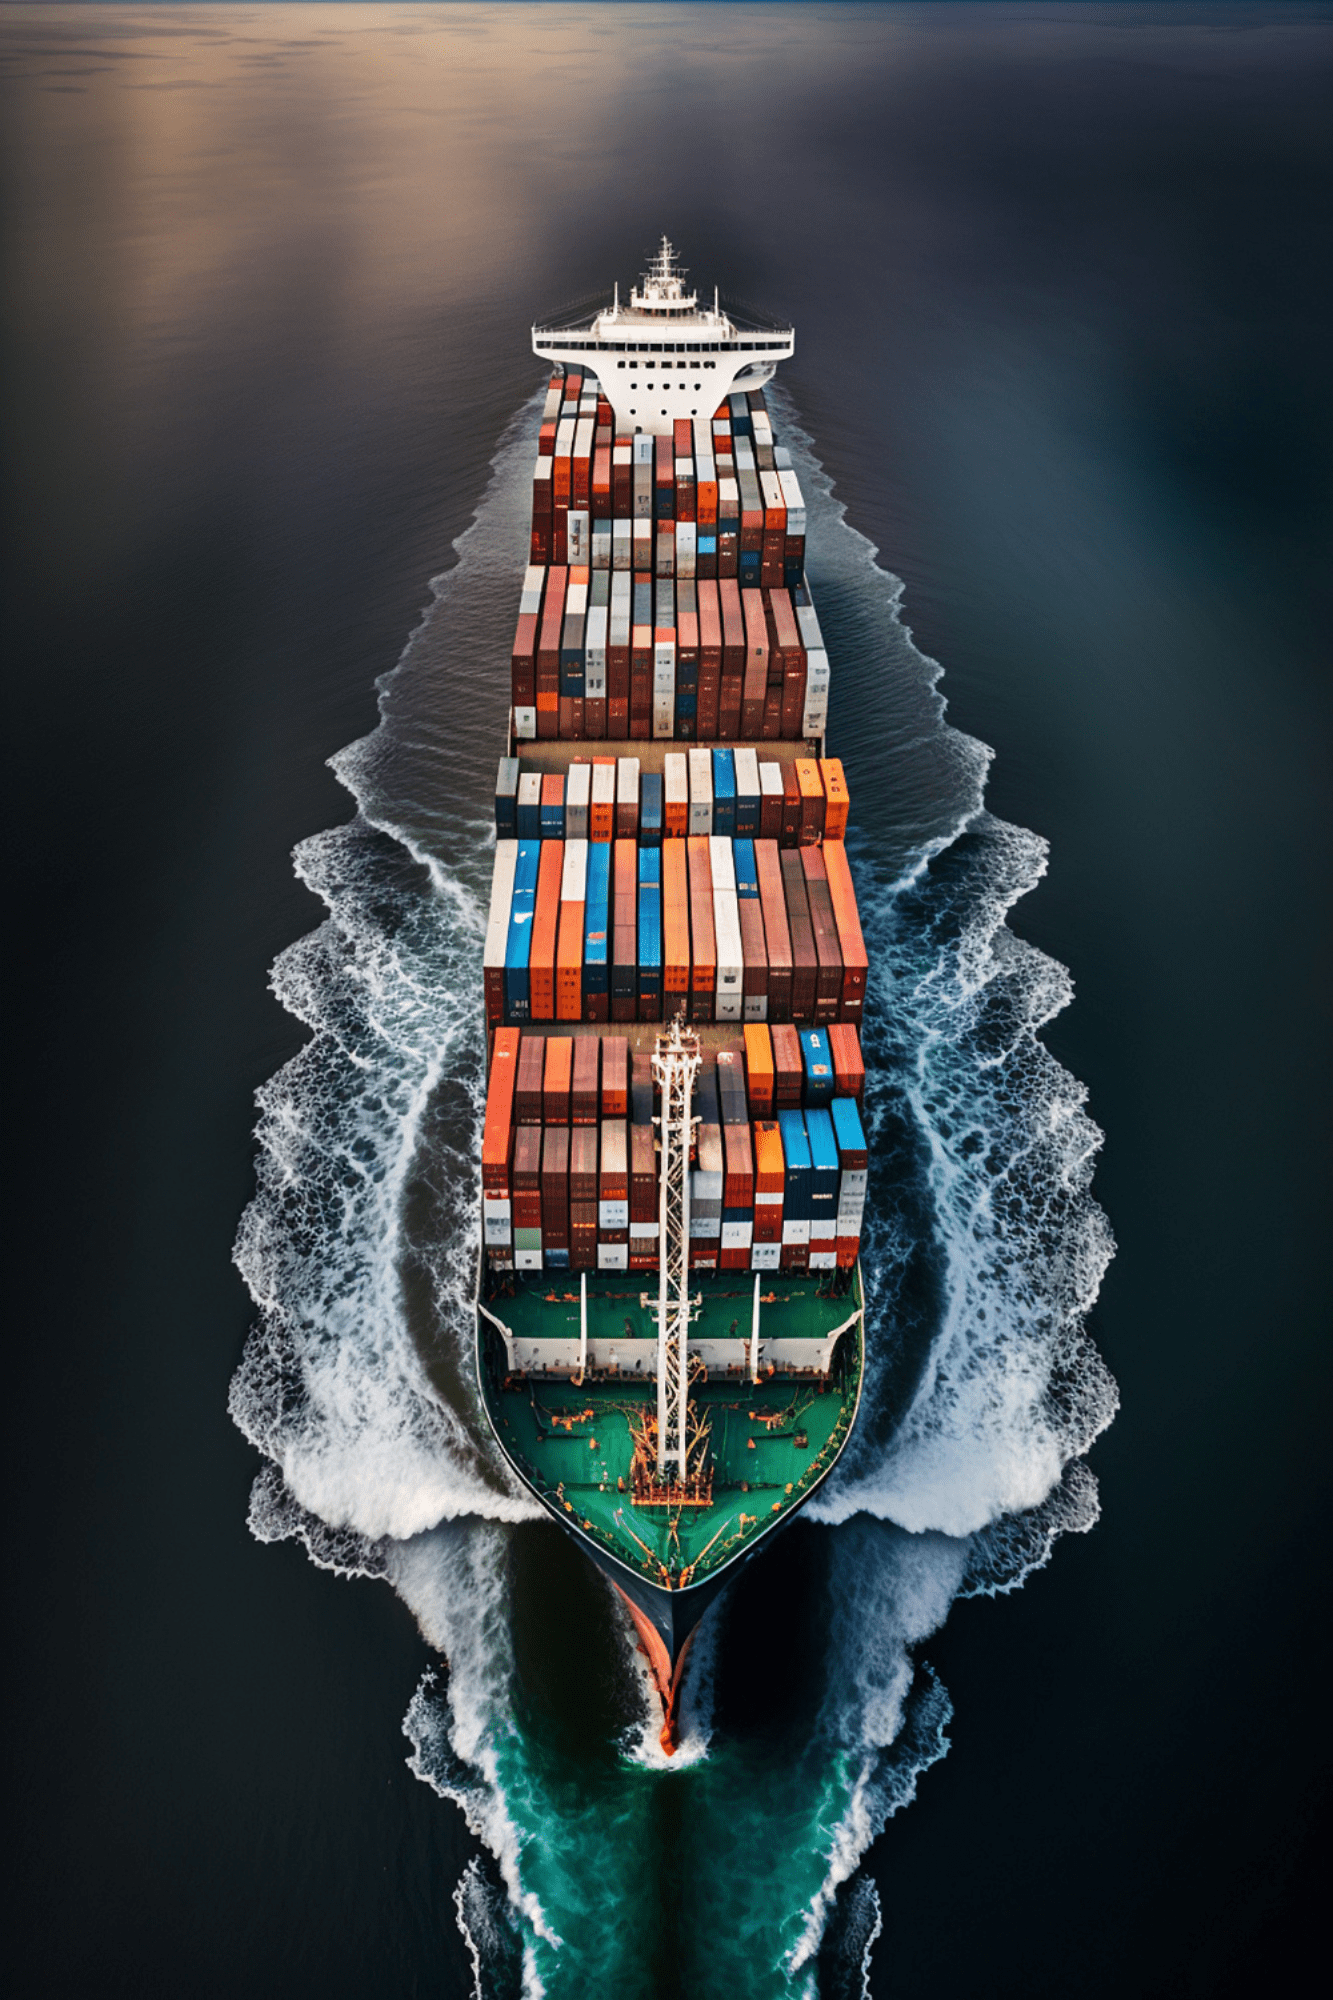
675, 1065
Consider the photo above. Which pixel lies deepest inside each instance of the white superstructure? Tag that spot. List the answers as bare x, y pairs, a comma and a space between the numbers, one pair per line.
663, 356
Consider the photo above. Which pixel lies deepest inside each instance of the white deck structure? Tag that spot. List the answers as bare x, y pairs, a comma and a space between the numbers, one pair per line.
663, 356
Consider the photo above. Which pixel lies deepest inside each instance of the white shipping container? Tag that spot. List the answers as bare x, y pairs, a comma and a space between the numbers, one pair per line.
756, 1007
601, 548
643, 545
770, 781
766, 1257
644, 447
495, 1216
796, 1229
579, 545
574, 871
627, 783
705, 1228
525, 724
767, 1200
613, 1215
737, 1235
808, 626
747, 773
613, 1256
722, 862
527, 1260
622, 599
795, 502
675, 780
823, 1260
701, 791
578, 788
594, 661
643, 1232
529, 793
586, 425
664, 658
622, 544
664, 718
502, 895
530, 597
730, 976
604, 785
853, 1181
685, 548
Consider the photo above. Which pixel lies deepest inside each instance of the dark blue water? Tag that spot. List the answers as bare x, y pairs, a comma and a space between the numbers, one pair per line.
1062, 304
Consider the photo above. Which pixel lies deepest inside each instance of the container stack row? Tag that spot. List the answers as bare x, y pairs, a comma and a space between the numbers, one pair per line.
704, 928
608, 654
720, 790
778, 1165
718, 498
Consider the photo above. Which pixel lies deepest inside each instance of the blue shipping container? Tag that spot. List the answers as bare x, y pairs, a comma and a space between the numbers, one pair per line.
817, 1060
796, 1152
596, 919
747, 875
724, 793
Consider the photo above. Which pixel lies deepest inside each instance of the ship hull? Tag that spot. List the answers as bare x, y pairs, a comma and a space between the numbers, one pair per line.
665, 1617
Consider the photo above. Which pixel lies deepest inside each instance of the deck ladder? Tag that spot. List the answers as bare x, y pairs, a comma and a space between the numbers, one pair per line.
675, 1065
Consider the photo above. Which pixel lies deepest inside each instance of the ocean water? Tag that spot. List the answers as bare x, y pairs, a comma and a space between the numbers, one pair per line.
1059, 401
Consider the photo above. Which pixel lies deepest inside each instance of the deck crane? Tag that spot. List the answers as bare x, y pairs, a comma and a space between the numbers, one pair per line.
675, 1066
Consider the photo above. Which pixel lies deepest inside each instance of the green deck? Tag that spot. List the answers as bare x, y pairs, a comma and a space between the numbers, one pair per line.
574, 1446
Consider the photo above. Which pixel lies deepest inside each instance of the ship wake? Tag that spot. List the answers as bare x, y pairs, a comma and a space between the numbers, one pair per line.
984, 1253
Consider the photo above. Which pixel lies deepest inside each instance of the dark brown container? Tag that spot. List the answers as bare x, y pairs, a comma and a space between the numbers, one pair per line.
584, 1104
791, 807
615, 1076
787, 1071
528, 1083
805, 959
754, 951
528, 1165
583, 1164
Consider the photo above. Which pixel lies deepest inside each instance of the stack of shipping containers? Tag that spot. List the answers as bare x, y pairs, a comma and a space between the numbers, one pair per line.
665, 603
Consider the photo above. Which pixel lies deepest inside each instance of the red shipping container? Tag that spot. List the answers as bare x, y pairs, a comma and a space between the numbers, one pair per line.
848, 1064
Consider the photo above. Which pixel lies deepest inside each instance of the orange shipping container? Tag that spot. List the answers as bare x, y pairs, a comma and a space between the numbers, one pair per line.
541, 958
569, 964
759, 1068
557, 1079
855, 964
498, 1131
812, 801
836, 796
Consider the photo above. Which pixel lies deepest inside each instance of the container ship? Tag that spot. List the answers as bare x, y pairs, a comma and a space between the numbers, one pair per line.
670, 1319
